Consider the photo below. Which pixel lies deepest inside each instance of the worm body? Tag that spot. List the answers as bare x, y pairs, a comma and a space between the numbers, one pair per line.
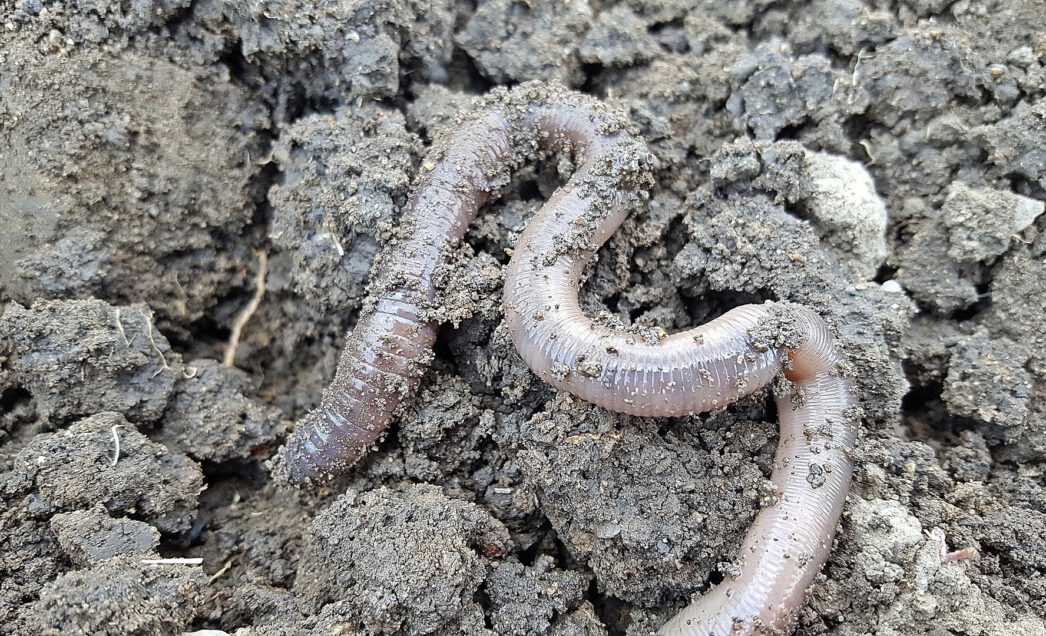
690, 372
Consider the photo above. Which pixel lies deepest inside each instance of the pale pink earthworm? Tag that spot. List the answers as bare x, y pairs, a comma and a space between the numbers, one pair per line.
704, 368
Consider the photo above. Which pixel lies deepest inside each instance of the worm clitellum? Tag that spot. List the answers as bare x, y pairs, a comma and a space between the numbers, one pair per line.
685, 373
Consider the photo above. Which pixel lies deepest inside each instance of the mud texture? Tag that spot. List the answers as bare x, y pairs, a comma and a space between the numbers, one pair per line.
881, 162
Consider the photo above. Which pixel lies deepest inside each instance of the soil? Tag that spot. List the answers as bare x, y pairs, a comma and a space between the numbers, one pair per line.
883, 161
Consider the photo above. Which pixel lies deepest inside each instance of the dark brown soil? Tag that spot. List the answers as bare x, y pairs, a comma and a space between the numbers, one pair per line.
881, 161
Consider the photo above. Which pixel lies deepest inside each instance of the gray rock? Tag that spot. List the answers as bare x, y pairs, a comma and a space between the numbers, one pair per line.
843, 201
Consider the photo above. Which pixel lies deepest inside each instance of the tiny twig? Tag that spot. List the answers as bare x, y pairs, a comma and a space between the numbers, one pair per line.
217, 575
152, 341
116, 444
119, 325
237, 326
193, 561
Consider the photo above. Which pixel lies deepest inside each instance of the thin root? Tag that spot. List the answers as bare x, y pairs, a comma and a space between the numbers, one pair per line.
237, 326
152, 341
119, 326
116, 444
191, 561
217, 575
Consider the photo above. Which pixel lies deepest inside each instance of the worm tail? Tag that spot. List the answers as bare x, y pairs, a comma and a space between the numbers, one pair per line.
382, 362
790, 539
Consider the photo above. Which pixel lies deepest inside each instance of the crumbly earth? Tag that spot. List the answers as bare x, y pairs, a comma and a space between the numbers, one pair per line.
882, 162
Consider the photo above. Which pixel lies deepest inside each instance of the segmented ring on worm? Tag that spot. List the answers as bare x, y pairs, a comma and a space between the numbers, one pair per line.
685, 373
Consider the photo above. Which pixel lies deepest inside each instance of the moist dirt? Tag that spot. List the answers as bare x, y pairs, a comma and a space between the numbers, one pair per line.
880, 161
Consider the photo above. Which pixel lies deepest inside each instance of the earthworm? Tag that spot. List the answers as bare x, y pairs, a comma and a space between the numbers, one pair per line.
694, 371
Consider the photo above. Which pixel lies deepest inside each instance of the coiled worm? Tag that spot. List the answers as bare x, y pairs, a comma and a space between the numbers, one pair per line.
685, 373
